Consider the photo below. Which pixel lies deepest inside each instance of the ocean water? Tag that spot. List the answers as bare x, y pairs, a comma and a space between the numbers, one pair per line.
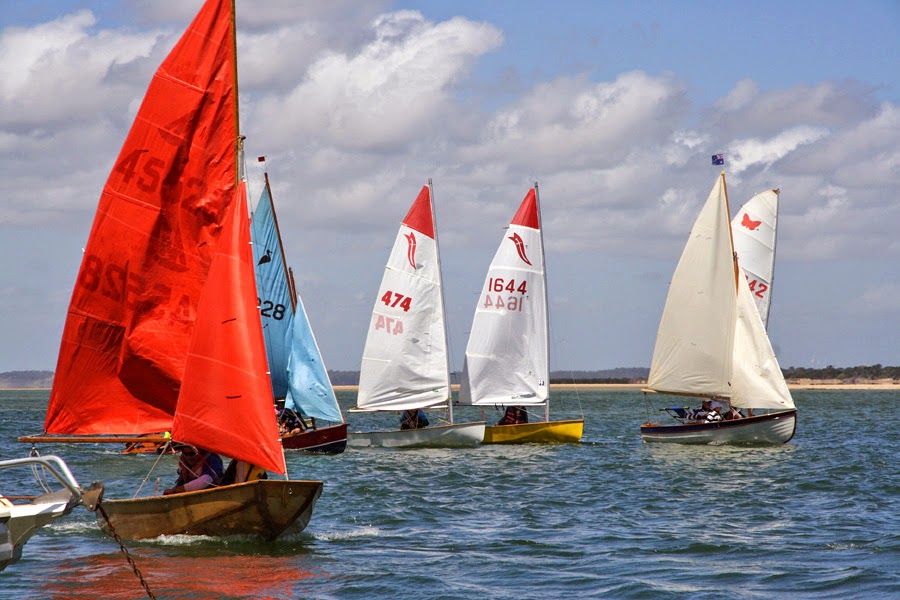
608, 518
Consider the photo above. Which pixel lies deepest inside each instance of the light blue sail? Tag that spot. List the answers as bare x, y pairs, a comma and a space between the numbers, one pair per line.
275, 308
295, 363
309, 389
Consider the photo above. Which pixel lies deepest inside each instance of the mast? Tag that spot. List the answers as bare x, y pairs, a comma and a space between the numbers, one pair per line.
537, 201
239, 142
777, 193
437, 253
734, 258
288, 274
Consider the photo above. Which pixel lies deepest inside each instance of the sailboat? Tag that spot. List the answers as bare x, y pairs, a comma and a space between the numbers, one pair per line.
163, 331
711, 344
298, 375
754, 230
507, 358
405, 364
22, 516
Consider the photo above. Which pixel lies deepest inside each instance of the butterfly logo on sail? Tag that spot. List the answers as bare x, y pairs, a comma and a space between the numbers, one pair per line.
520, 247
749, 223
411, 250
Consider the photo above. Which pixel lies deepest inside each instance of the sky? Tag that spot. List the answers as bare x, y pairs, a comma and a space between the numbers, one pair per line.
613, 107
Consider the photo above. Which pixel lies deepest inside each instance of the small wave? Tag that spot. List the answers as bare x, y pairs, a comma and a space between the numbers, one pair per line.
333, 536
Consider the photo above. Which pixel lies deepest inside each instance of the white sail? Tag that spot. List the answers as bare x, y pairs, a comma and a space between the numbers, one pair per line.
694, 344
506, 356
758, 381
754, 229
404, 364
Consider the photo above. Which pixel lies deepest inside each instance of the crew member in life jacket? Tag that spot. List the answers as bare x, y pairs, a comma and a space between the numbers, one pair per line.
198, 469
514, 415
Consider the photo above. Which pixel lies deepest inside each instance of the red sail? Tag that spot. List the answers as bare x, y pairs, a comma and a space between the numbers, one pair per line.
527, 215
129, 323
225, 403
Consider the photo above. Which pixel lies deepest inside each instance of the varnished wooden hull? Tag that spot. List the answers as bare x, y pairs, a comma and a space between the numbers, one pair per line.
458, 435
263, 508
768, 429
542, 432
322, 440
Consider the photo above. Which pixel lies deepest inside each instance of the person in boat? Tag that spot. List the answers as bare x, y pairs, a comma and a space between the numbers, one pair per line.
715, 415
514, 415
413, 419
732, 413
289, 422
700, 414
198, 469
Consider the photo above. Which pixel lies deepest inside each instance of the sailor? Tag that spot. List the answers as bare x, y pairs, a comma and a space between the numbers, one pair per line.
514, 415
413, 419
699, 414
714, 415
198, 469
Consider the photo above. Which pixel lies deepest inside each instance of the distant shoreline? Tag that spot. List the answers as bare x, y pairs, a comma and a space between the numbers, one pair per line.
802, 384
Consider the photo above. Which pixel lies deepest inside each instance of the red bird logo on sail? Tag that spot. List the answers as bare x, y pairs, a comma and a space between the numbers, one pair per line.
520, 247
411, 250
748, 223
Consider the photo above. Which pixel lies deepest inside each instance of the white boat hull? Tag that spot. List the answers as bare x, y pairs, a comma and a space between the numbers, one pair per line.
458, 435
772, 428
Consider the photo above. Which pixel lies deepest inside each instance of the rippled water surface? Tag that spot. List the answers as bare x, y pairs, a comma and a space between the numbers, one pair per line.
610, 517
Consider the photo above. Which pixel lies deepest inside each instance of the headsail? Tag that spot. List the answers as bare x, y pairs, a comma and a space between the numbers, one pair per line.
695, 340
404, 364
754, 230
224, 401
133, 308
507, 353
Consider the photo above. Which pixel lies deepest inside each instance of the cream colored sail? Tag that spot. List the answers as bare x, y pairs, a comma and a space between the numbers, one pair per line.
758, 381
695, 340
754, 229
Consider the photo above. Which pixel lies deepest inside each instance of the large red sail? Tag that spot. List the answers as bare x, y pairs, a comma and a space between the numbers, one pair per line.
129, 323
225, 403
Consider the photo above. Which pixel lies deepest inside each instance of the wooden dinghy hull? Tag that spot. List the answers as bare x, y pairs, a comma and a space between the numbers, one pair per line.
457, 435
263, 508
322, 440
543, 432
762, 430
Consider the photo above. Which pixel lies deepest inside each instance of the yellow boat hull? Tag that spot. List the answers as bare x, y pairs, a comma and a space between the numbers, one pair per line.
552, 432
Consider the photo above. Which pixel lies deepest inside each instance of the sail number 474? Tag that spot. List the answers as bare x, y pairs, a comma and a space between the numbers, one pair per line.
494, 295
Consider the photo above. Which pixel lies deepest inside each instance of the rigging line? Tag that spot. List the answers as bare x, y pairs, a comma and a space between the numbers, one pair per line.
164, 450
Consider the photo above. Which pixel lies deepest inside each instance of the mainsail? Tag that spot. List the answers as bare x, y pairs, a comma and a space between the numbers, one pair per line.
695, 340
754, 230
404, 364
507, 353
132, 312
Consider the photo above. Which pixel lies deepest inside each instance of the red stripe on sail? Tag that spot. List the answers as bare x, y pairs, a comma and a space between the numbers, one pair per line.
132, 311
419, 216
527, 215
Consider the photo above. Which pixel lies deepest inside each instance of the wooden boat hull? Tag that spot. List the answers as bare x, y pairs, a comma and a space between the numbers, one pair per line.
768, 429
543, 432
322, 440
263, 508
457, 435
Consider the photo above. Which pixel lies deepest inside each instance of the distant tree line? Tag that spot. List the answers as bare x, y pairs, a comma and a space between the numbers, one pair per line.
862, 372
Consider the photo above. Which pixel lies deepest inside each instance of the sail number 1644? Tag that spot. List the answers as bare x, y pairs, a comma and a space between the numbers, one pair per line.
495, 297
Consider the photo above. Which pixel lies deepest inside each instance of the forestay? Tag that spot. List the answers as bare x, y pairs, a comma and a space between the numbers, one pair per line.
507, 355
694, 344
404, 364
754, 230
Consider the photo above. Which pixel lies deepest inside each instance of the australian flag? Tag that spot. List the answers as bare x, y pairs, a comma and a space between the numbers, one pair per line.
718, 159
